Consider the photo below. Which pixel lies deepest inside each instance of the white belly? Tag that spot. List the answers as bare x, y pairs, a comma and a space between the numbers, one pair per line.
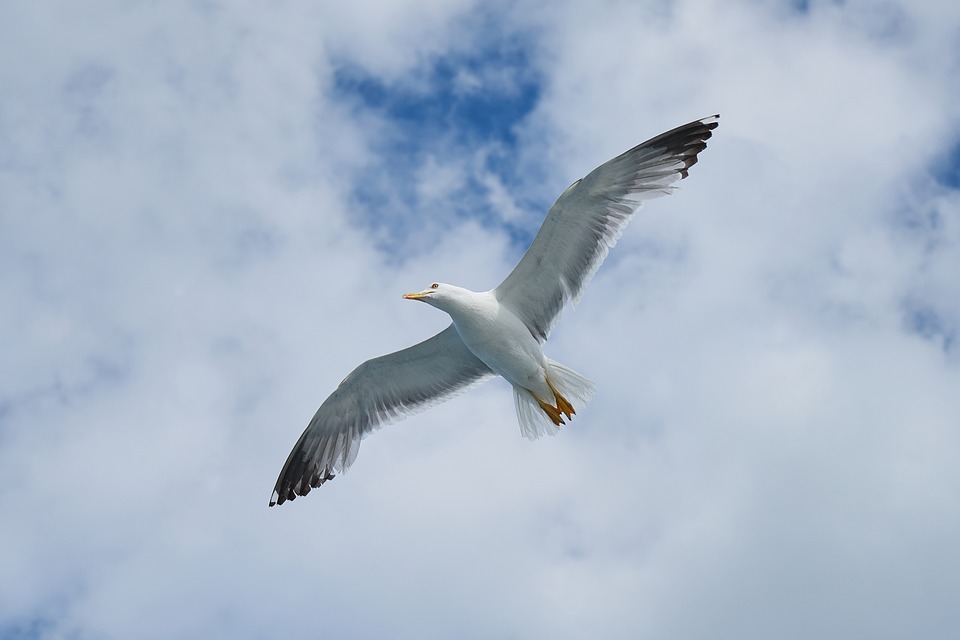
502, 341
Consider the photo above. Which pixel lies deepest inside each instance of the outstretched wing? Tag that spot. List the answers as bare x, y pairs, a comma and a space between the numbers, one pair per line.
587, 219
379, 391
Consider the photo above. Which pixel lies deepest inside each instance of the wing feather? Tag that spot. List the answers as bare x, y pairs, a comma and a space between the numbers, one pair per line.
587, 220
379, 391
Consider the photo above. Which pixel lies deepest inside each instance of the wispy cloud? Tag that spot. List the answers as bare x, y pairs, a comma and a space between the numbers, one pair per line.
207, 216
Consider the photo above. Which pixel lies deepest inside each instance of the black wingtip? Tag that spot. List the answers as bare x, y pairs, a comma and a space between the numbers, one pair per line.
686, 141
286, 489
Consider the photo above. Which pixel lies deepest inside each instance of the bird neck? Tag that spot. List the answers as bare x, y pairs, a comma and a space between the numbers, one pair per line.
460, 301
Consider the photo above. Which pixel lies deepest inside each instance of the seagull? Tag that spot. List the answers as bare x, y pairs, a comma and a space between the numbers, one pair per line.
501, 331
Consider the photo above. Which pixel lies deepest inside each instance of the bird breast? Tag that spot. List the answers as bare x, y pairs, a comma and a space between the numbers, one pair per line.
500, 340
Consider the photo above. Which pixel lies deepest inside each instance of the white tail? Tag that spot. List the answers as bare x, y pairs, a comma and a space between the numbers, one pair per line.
570, 385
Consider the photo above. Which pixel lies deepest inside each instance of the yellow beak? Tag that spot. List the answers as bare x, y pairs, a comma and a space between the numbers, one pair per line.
415, 296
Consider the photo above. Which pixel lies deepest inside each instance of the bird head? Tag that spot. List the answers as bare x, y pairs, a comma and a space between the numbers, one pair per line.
440, 295
429, 295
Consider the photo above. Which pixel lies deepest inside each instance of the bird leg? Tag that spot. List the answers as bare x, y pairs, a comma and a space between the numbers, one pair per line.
556, 413
552, 412
563, 405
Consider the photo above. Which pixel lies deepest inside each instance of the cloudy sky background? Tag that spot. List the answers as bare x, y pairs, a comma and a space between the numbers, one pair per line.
209, 211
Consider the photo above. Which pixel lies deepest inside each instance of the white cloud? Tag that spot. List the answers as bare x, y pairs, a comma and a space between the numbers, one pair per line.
187, 269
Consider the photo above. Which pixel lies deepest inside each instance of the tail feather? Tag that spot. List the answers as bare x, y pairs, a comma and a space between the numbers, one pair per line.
570, 385
533, 421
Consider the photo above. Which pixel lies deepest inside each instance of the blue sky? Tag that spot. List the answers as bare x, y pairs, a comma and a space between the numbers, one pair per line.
457, 103
209, 211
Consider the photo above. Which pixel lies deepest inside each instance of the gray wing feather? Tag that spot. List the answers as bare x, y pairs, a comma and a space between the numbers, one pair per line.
587, 219
379, 391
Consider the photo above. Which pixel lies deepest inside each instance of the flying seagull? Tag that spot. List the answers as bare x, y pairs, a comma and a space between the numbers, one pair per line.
501, 331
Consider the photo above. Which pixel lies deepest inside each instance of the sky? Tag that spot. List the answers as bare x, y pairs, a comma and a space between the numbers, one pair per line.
209, 212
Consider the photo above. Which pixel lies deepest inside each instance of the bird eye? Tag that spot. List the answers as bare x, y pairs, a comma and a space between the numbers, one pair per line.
434, 286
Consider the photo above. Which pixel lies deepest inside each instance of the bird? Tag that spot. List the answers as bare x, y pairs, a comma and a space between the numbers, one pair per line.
500, 332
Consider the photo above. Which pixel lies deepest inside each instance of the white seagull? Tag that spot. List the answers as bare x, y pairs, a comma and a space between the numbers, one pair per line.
501, 331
